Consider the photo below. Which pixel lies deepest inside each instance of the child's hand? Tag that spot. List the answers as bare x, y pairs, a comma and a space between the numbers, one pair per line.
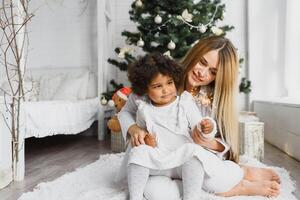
150, 140
196, 135
206, 126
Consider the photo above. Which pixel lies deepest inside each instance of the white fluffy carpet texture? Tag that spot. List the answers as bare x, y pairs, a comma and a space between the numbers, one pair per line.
96, 182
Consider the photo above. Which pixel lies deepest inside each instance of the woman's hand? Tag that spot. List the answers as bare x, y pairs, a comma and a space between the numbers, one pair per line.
208, 143
137, 135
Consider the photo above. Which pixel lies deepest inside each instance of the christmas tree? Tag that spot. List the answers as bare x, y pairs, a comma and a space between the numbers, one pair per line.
170, 27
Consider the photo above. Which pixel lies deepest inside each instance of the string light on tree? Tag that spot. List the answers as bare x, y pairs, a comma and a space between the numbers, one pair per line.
170, 28
186, 18
158, 19
171, 45
140, 43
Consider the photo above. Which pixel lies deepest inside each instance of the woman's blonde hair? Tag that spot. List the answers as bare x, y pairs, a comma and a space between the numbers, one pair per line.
224, 87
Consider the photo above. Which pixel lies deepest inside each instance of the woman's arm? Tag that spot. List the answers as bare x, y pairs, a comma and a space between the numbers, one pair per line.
128, 124
208, 143
219, 146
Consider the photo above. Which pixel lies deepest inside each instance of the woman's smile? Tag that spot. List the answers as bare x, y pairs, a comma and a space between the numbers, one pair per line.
195, 77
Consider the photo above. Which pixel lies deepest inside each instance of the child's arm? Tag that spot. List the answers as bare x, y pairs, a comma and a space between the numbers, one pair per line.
194, 116
217, 145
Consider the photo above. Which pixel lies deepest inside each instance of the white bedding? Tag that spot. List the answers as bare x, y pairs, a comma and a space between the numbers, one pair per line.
46, 118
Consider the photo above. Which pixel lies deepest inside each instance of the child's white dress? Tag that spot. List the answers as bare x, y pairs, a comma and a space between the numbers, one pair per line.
172, 126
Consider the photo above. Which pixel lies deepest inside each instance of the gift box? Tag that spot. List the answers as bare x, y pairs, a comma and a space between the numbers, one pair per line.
117, 143
251, 132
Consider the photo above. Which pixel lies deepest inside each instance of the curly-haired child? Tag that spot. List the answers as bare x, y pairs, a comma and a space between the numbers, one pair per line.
170, 119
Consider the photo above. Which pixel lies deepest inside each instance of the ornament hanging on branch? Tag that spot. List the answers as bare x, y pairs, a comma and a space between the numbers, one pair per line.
138, 3
171, 29
103, 101
171, 45
216, 30
168, 53
158, 19
140, 43
187, 16
196, 1
201, 28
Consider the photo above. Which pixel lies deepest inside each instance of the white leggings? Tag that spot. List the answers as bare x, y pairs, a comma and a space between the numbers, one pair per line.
191, 173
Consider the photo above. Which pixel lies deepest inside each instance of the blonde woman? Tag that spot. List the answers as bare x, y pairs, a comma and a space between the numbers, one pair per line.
211, 69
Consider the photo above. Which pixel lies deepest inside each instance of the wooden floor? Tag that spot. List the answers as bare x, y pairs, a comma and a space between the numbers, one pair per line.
51, 157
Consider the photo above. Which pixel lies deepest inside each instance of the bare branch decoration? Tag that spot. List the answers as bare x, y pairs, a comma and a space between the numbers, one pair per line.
14, 18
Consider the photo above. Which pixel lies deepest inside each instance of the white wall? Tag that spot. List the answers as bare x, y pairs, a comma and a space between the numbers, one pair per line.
63, 34
292, 49
235, 15
267, 48
120, 22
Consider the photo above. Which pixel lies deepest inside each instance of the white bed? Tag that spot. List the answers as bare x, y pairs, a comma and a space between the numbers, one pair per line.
59, 101
48, 118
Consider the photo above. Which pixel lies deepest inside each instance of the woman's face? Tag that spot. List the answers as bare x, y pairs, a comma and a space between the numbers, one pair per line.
204, 72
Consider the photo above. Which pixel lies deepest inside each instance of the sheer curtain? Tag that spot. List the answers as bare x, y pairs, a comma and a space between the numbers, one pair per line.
292, 49
274, 49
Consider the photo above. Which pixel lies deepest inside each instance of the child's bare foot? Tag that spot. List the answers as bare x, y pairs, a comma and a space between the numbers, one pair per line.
260, 174
254, 188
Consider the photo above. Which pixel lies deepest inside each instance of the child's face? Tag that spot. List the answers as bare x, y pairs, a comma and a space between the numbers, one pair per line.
162, 90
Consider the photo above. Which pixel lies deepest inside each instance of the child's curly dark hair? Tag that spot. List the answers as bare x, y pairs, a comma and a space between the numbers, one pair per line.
141, 72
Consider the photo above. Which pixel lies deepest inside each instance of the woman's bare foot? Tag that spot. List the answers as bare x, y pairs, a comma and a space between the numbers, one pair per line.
260, 174
254, 188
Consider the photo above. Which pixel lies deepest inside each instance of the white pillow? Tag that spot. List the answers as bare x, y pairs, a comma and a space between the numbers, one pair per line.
92, 86
49, 85
32, 90
73, 88
162, 188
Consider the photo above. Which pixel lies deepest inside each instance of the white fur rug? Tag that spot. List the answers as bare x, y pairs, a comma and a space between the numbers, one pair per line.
95, 181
